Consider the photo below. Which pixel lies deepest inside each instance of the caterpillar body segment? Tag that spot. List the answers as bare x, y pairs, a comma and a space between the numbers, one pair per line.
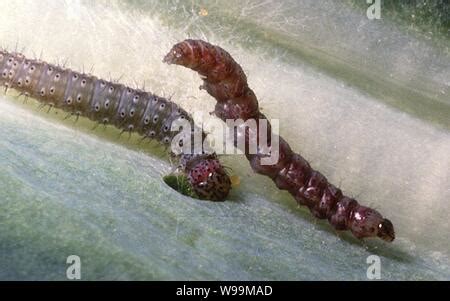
130, 110
224, 79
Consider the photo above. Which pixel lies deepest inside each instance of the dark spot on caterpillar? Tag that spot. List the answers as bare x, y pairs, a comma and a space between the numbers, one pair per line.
107, 104
131, 112
155, 119
122, 113
97, 107
111, 89
79, 98
147, 120
57, 76
69, 101
52, 90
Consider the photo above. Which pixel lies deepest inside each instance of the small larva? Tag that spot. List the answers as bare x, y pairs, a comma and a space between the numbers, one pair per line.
225, 80
111, 103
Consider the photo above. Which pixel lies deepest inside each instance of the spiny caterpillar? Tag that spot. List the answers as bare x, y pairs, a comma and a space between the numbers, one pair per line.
108, 102
225, 80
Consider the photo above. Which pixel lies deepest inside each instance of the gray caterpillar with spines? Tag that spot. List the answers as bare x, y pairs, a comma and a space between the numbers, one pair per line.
131, 110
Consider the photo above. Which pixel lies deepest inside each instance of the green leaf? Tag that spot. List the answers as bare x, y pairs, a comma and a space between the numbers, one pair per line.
180, 183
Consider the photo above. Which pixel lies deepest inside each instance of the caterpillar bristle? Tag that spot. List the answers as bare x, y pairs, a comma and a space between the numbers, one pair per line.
142, 139
41, 106
95, 126
68, 116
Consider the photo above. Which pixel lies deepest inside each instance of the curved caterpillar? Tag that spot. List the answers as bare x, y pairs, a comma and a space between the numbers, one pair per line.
225, 80
112, 103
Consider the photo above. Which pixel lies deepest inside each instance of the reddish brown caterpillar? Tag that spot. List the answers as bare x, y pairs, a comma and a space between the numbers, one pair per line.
225, 80
112, 103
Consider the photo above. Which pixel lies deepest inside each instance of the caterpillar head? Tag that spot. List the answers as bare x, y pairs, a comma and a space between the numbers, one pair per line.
367, 222
180, 54
209, 180
386, 230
